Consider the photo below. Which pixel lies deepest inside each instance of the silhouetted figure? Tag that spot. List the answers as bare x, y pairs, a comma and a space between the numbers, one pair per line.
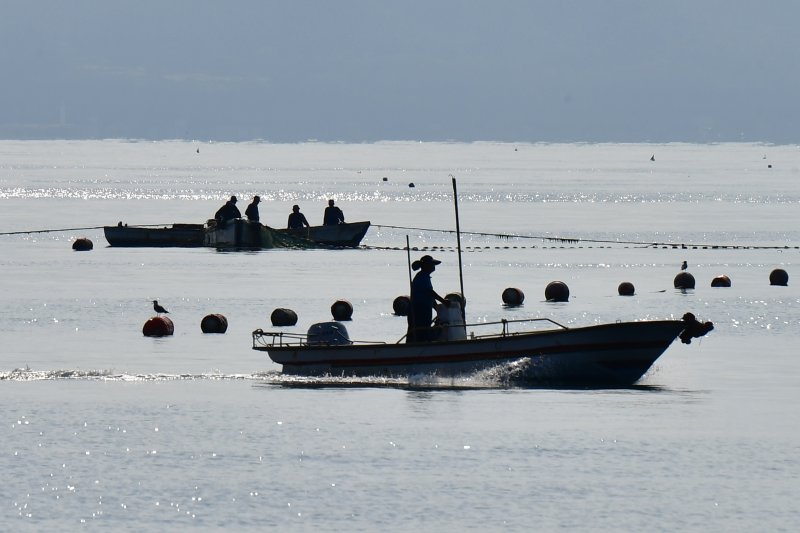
423, 300
158, 309
297, 219
333, 215
684, 266
252, 210
229, 211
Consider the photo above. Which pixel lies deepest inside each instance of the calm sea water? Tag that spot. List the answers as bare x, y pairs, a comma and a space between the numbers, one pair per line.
105, 428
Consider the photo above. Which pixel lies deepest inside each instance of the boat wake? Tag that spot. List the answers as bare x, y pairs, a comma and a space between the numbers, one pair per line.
26, 374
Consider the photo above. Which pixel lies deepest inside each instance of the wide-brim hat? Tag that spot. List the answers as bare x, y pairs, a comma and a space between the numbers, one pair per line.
425, 260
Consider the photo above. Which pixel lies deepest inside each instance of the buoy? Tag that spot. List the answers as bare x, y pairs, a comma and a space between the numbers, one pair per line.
283, 317
342, 310
82, 245
456, 297
556, 291
411, 184
214, 323
779, 277
158, 326
385, 178
721, 281
684, 280
626, 288
401, 305
513, 297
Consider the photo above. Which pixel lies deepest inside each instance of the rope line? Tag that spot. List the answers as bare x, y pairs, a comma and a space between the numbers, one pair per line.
575, 240
508, 236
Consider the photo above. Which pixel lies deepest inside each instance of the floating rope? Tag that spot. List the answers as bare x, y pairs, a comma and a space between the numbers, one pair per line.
575, 240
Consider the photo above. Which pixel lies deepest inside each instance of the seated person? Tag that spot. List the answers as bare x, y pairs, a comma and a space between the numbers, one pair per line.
297, 219
333, 215
227, 212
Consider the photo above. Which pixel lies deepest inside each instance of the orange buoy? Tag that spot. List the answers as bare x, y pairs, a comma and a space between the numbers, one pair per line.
401, 305
626, 288
721, 281
778, 277
158, 326
82, 245
342, 310
513, 297
683, 280
214, 323
283, 317
556, 291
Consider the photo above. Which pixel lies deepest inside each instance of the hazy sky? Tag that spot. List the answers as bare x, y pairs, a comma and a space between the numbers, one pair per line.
346, 70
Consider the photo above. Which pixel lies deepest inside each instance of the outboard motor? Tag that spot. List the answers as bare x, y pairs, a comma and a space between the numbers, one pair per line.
328, 334
449, 318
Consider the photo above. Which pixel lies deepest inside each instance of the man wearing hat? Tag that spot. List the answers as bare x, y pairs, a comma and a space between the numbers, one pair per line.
423, 300
227, 212
296, 219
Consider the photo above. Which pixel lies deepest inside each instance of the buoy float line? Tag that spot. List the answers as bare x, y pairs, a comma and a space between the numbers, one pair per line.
576, 240
562, 240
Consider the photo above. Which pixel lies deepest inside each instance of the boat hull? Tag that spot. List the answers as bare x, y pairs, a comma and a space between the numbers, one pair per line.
346, 235
241, 233
611, 354
179, 235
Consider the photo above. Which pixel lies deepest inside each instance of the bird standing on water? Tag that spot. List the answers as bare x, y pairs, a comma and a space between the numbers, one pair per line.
158, 309
684, 266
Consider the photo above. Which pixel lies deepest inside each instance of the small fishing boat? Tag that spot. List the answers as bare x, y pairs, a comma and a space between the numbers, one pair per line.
175, 235
614, 354
240, 233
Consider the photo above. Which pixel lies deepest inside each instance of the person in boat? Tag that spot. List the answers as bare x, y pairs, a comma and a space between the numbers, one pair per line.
227, 212
252, 210
423, 300
297, 219
333, 215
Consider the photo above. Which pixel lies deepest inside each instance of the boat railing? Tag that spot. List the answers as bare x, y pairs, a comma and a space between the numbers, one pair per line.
277, 339
274, 339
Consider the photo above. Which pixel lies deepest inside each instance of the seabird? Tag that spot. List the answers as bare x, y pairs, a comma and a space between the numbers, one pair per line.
653, 157
684, 266
158, 309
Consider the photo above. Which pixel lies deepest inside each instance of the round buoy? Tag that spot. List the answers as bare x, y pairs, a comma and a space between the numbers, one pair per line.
411, 185
214, 323
158, 326
721, 281
556, 291
82, 245
626, 288
684, 280
401, 305
513, 297
283, 317
342, 310
385, 178
456, 297
778, 277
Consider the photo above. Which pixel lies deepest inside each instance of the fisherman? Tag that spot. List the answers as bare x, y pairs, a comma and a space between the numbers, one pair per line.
227, 212
297, 219
423, 300
252, 210
333, 215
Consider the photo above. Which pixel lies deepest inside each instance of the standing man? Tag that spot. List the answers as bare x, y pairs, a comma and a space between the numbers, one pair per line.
423, 300
333, 215
252, 210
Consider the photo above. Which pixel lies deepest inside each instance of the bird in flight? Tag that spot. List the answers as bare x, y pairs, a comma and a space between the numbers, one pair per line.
158, 309
684, 266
